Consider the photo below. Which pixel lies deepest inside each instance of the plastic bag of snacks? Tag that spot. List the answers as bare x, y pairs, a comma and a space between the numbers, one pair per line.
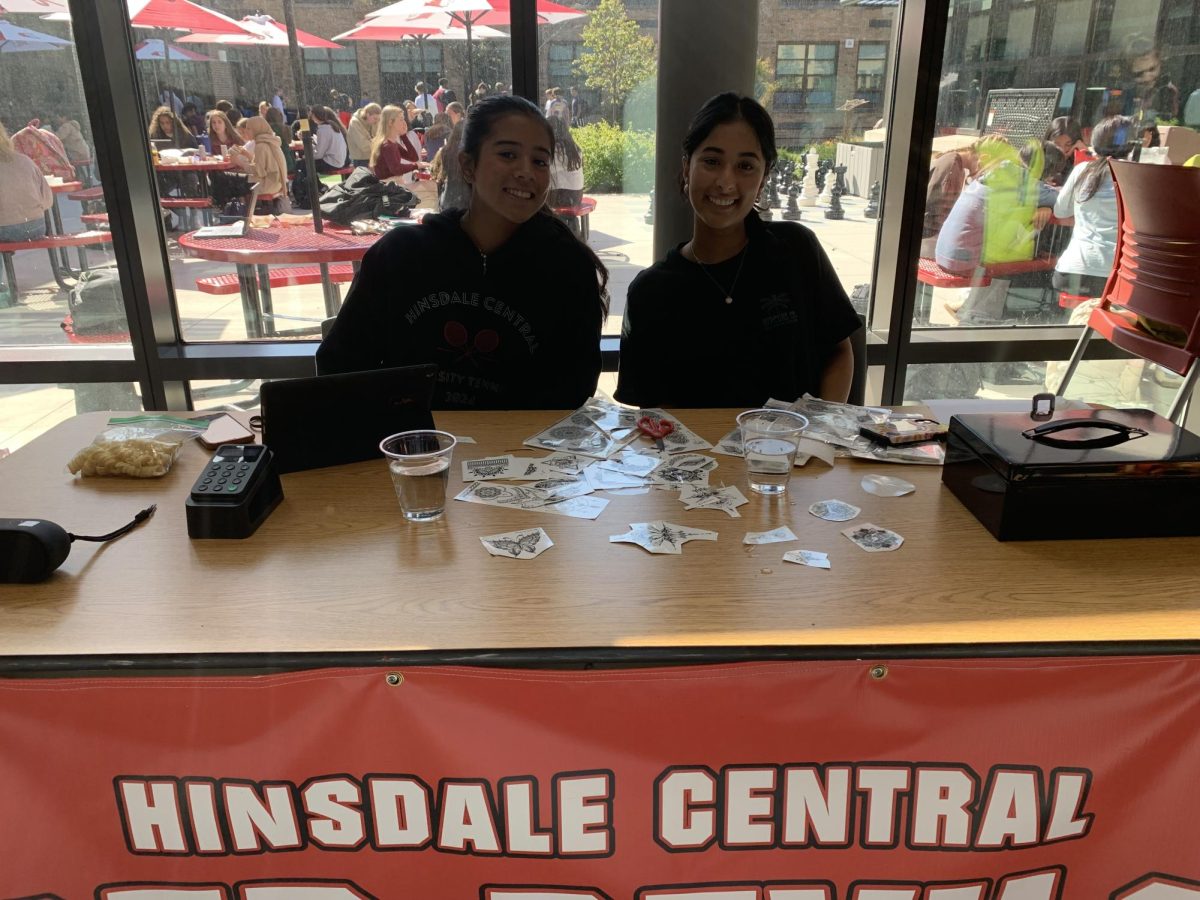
136, 446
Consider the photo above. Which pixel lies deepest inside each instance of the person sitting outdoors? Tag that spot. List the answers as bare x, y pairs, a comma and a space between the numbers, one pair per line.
24, 194
453, 191
261, 158
331, 151
436, 134
166, 126
192, 120
566, 172
1067, 135
505, 300
996, 219
361, 133
760, 296
71, 135
947, 177
392, 156
279, 126
227, 107
221, 133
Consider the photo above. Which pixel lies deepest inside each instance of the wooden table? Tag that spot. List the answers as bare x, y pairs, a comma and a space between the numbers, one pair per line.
259, 248
335, 570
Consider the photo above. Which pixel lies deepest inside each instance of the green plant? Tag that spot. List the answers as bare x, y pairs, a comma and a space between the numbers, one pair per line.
616, 55
615, 160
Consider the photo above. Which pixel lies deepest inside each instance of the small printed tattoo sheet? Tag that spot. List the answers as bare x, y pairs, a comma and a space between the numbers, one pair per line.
661, 537
873, 538
834, 510
813, 558
774, 536
525, 544
704, 496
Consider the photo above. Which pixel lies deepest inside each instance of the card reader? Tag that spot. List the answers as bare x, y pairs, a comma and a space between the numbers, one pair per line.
235, 493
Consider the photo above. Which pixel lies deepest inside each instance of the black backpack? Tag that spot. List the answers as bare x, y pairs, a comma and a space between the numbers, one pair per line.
363, 196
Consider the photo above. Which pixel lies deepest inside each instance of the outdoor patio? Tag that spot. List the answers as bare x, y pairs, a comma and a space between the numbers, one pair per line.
619, 235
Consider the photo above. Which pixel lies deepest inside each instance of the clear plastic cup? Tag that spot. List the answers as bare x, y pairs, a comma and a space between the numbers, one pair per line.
419, 462
769, 441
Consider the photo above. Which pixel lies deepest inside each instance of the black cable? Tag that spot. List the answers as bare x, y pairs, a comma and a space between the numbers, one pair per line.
124, 529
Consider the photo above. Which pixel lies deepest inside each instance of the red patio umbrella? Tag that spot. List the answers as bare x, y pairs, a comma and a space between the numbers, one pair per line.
266, 33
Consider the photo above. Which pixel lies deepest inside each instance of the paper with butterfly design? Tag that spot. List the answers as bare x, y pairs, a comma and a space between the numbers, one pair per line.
661, 537
523, 544
703, 496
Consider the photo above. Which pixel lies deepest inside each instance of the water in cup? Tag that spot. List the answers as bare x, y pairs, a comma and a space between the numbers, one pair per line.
769, 463
770, 438
419, 463
421, 489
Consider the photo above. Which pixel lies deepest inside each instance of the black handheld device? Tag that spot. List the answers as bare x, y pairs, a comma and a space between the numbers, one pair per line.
234, 493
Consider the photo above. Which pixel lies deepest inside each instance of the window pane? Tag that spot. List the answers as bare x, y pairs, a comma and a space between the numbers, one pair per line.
989, 254
58, 285
28, 410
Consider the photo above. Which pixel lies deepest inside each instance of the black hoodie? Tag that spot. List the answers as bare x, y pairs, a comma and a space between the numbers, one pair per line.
516, 329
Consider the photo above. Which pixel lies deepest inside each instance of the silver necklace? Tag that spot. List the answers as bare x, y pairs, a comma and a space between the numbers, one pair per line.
738, 274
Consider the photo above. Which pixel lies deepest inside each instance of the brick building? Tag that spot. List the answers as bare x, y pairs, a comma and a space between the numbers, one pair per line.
814, 55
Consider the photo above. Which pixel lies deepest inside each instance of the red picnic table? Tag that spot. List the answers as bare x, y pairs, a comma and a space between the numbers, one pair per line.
259, 248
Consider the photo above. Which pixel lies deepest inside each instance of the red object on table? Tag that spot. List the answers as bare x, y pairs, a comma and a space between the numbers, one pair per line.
66, 187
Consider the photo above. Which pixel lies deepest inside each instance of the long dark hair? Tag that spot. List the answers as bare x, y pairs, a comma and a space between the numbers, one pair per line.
564, 144
723, 109
481, 120
326, 116
1113, 138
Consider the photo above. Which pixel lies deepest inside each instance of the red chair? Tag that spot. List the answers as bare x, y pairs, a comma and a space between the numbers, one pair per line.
1155, 275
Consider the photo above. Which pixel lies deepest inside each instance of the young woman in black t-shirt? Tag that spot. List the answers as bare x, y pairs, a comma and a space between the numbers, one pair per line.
745, 310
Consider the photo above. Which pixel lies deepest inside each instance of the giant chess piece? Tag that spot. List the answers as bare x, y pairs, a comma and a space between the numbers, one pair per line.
648, 218
773, 198
827, 182
835, 210
872, 210
792, 213
808, 196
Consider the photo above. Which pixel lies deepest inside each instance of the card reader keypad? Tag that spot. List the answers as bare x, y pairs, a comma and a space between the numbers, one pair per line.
229, 472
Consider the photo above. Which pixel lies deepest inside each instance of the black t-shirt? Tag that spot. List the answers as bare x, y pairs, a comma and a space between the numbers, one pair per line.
517, 329
682, 345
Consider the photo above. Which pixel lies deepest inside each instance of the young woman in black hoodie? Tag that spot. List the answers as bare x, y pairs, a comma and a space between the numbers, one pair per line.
502, 297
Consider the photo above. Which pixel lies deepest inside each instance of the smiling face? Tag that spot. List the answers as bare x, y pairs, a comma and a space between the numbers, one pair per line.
512, 174
725, 175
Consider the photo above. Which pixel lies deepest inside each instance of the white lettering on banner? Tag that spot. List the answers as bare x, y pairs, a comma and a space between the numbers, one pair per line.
335, 818
1159, 887
1010, 812
271, 817
881, 785
401, 812
683, 809
749, 807
519, 796
826, 808
924, 807
584, 804
202, 806
940, 800
1043, 884
150, 813
467, 817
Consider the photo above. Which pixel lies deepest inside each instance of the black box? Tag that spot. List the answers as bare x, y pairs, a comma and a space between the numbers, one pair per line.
1080, 477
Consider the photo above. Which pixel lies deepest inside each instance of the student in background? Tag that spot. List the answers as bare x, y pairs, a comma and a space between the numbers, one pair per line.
392, 156
361, 133
221, 132
331, 151
279, 126
505, 300
24, 195
566, 172
760, 297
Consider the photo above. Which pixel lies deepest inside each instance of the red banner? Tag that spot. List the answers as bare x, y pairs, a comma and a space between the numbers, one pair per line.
913, 780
